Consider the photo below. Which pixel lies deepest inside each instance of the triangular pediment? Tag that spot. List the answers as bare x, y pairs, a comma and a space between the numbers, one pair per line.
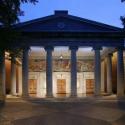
61, 21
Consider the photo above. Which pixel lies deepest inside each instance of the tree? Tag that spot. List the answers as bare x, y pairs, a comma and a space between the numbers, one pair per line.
122, 18
10, 10
9, 15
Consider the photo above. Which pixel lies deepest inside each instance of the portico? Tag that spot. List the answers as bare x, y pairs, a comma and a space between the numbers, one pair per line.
54, 74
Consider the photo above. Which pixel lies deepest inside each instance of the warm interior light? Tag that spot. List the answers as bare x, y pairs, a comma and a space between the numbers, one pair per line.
7, 55
19, 62
61, 57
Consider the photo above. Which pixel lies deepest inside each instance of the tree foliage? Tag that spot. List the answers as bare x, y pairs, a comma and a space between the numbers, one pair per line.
9, 14
10, 10
122, 18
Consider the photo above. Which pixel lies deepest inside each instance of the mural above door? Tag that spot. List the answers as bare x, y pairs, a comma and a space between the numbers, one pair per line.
39, 65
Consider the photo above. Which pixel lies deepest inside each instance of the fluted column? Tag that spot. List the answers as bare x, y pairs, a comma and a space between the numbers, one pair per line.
13, 75
73, 70
120, 73
49, 71
97, 88
109, 73
25, 72
2, 74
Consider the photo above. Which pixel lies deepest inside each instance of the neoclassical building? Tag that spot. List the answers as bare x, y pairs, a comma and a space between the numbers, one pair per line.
64, 56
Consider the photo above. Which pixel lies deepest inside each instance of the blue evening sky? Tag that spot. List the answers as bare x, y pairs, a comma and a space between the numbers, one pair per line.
105, 11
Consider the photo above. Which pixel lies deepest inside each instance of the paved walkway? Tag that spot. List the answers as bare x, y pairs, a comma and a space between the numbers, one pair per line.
82, 111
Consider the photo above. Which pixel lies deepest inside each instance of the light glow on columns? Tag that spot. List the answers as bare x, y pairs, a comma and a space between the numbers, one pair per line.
7, 55
87, 49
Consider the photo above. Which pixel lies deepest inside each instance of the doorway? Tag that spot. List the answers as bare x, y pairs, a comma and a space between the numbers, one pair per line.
89, 86
32, 86
61, 86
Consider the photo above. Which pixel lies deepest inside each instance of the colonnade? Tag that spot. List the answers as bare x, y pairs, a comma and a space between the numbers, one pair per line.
49, 72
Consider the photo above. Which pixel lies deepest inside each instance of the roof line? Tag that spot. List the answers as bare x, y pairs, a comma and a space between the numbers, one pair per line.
67, 16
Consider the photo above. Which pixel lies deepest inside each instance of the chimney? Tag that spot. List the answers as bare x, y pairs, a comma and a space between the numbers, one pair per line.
61, 12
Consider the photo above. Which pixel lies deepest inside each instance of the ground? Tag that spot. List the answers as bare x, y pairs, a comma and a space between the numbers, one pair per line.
82, 111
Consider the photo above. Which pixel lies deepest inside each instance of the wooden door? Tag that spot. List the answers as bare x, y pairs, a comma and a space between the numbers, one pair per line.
32, 86
89, 86
61, 86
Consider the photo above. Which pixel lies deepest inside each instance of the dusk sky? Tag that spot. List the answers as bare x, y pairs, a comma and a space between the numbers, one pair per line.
105, 11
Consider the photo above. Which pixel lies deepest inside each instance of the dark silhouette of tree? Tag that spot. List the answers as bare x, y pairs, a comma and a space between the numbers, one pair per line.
122, 18
9, 15
10, 10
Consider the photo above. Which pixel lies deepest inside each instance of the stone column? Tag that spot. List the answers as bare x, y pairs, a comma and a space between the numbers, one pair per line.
109, 73
49, 71
2, 74
13, 75
97, 88
73, 71
25, 72
20, 79
120, 73
103, 76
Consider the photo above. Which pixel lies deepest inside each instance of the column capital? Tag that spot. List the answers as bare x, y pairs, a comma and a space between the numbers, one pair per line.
73, 48
49, 48
97, 48
109, 55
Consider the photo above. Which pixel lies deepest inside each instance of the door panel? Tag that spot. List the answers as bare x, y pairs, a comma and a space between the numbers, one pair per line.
32, 86
61, 86
89, 86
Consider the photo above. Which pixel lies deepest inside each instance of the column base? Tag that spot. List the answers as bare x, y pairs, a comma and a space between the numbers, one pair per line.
14, 94
97, 95
109, 93
73, 96
25, 96
120, 95
2, 99
49, 96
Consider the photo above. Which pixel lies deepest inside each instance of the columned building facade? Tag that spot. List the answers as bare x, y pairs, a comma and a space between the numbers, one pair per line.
51, 73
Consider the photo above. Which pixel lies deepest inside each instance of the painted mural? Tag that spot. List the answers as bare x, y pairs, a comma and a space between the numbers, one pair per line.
39, 65
36, 65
